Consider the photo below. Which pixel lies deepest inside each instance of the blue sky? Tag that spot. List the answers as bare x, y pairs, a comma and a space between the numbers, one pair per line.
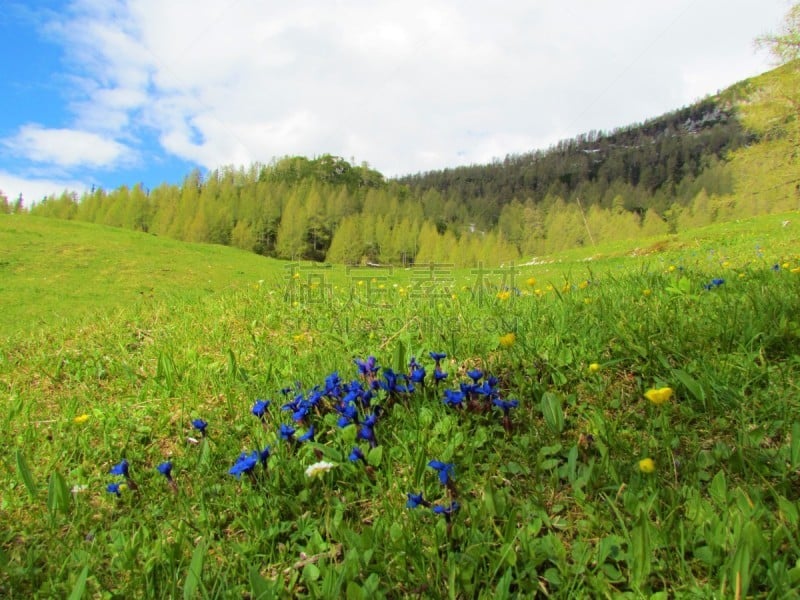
112, 92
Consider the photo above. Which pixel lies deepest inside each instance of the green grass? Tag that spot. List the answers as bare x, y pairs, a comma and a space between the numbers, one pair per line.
553, 505
66, 270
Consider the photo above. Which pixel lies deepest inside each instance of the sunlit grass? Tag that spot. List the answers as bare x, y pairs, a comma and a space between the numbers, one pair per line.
599, 483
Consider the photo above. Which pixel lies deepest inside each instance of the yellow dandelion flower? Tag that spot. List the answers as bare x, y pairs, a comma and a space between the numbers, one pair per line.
647, 292
583, 284
594, 367
659, 395
531, 281
795, 270
122, 487
507, 340
81, 419
401, 290
296, 275
647, 465
671, 268
299, 337
587, 300
726, 264
504, 295
741, 275
786, 265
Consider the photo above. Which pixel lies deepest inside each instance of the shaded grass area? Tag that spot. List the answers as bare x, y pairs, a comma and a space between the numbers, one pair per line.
554, 505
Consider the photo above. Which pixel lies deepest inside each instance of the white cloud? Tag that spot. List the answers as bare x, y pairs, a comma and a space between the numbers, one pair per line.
65, 147
404, 85
34, 189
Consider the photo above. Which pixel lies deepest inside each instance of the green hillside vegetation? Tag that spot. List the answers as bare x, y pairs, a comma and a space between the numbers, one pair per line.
729, 156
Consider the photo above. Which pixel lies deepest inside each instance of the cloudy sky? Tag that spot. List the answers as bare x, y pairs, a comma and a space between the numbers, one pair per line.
111, 92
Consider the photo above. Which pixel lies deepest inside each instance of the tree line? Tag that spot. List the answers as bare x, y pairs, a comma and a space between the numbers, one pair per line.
716, 160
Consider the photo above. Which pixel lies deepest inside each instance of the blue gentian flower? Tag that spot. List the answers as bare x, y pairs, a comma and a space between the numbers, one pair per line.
484, 389
286, 432
445, 470
367, 368
308, 436
418, 375
263, 455
439, 375
776, 267
260, 408
356, 454
367, 430
301, 411
245, 463
121, 468
475, 374
414, 500
390, 383
165, 468
438, 356
333, 385
114, 488
294, 404
200, 425
505, 405
446, 510
453, 398
349, 414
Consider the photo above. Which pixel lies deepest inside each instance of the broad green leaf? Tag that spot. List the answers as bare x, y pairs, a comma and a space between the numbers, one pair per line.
400, 357
25, 474
691, 384
311, 572
58, 496
375, 455
260, 588
395, 532
194, 575
354, 591
718, 490
640, 551
553, 412
794, 450
80, 585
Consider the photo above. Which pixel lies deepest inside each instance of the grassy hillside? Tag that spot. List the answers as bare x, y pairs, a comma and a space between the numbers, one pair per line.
58, 271
620, 422
55, 270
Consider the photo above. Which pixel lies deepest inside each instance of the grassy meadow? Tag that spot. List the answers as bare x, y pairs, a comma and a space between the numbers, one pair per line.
620, 421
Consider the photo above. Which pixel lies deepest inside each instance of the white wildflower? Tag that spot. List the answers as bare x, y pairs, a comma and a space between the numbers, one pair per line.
318, 468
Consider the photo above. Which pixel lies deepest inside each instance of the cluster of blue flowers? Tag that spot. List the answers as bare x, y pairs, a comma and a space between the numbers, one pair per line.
122, 469
361, 402
446, 473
